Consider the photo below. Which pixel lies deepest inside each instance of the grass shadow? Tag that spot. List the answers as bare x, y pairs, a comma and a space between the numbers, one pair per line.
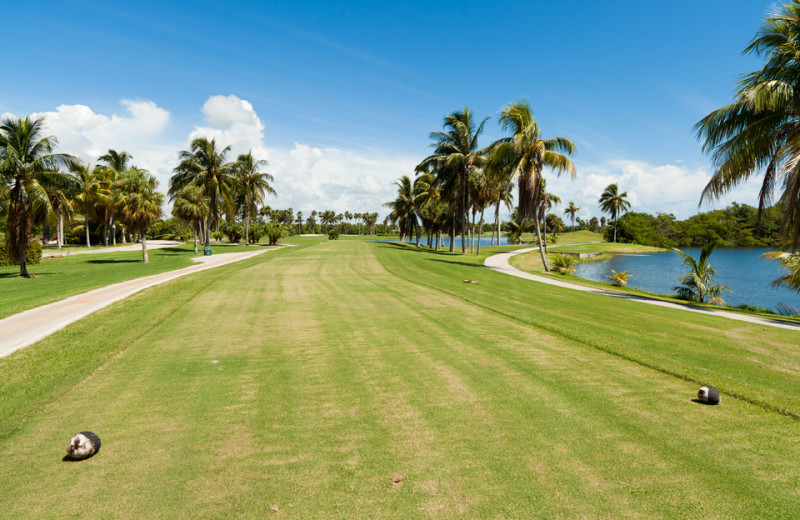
126, 261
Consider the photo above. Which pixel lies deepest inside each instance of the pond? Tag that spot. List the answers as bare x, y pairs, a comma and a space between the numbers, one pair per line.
485, 241
741, 269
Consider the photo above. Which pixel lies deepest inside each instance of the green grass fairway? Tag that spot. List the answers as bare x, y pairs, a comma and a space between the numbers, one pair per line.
356, 379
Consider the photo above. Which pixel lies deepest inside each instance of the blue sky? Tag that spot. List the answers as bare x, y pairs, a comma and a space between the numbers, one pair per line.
341, 97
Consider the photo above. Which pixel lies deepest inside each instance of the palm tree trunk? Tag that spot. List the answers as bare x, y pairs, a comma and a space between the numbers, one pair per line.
615, 230
462, 210
60, 230
453, 232
417, 230
497, 220
144, 249
114, 229
195, 225
247, 229
207, 226
86, 224
544, 227
541, 248
480, 232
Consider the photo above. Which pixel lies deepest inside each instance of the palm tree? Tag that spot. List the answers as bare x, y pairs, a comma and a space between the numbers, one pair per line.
204, 165
619, 279
456, 154
550, 200
299, 222
27, 163
531, 154
571, 210
615, 203
191, 205
141, 204
253, 185
696, 285
91, 192
116, 164
760, 130
790, 262
403, 208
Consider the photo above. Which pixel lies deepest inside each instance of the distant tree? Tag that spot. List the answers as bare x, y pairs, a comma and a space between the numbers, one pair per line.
613, 202
572, 210
697, 284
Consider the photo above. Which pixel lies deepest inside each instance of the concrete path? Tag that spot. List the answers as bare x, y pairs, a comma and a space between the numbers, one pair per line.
500, 263
28, 327
151, 244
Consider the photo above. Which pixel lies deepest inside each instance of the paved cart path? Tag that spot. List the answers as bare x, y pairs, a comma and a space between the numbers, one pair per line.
501, 264
23, 329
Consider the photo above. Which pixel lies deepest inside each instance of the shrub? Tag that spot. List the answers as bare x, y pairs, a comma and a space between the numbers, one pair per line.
33, 254
234, 232
619, 279
564, 263
217, 235
333, 234
274, 231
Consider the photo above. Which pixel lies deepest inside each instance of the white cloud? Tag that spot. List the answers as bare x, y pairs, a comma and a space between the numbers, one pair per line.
87, 134
668, 188
307, 177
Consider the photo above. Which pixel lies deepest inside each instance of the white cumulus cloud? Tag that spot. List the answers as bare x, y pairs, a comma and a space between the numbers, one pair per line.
667, 188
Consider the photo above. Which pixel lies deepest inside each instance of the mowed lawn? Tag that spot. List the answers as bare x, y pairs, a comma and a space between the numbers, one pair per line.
353, 379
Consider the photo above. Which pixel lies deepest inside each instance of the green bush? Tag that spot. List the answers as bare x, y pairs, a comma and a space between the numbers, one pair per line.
564, 263
33, 254
234, 232
333, 234
274, 231
217, 235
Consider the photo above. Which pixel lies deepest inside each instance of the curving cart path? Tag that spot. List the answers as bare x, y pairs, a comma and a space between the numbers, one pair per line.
501, 264
27, 327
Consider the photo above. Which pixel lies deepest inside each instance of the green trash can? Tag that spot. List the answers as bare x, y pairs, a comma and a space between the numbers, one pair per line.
207, 251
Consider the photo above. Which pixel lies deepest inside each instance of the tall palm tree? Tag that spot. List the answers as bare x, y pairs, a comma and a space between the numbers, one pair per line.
299, 222
759, 132
456, 153
614, 203
531, 154
403, 208
253, 185
696, 285
204, 165
141, 204
91, 192
572, 210
115, 165
191, 205
27, 163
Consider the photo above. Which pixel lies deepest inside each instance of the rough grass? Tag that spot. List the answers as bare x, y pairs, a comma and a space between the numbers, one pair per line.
333, 382
58, 278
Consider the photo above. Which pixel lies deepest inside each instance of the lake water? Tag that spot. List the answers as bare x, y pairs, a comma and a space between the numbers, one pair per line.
741, 269
485, 241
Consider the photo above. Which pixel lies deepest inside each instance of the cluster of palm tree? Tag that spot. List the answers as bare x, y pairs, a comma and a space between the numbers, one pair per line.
40, 186
346, 222
460, 180
206, 188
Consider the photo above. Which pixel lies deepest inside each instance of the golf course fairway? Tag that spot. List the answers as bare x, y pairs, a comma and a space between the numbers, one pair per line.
354, 379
